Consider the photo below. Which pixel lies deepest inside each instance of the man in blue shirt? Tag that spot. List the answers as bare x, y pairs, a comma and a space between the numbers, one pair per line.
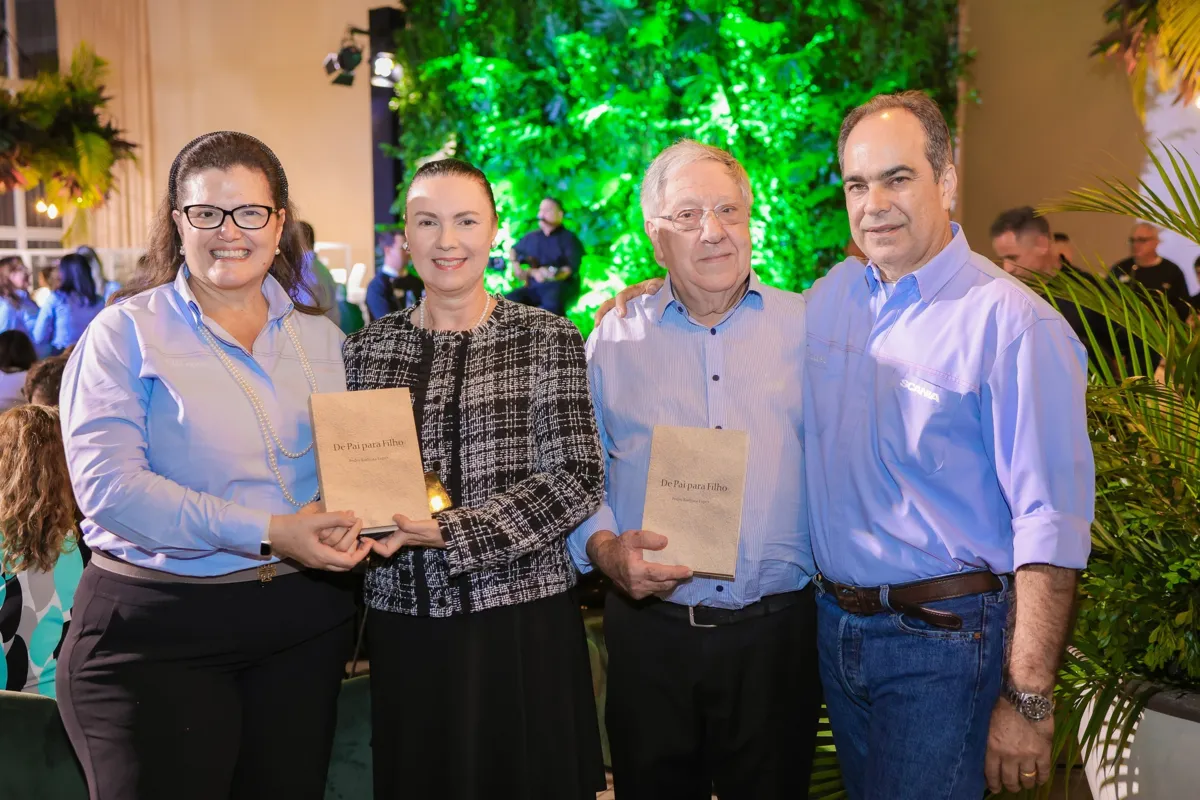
547, 260
947, 448
712, 683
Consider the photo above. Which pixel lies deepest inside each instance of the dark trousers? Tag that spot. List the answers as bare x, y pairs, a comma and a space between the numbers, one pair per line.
731, 709
185, 691
496, 703
552, 296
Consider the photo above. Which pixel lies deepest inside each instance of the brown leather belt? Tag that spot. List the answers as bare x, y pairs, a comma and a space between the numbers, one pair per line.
910, 598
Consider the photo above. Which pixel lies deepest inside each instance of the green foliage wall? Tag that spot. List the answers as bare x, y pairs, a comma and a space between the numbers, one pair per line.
573, 98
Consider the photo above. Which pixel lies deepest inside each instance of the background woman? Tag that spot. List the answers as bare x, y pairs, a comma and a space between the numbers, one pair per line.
478, 600
200, 665
40, 555
17, 311
70, 307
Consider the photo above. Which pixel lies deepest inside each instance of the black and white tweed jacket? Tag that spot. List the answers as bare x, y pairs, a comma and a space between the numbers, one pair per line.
505, 419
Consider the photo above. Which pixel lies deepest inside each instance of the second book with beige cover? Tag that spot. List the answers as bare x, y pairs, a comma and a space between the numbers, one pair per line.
694, 497
369, 457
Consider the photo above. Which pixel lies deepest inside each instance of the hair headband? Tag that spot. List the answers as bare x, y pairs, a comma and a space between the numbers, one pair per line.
173, 179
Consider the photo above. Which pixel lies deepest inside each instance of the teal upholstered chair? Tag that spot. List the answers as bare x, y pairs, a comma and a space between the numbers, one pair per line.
350, 765
36, 760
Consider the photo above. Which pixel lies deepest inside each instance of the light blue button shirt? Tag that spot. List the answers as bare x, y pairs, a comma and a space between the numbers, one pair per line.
63, 319
656, 366
945, 424
165, 453
20, 315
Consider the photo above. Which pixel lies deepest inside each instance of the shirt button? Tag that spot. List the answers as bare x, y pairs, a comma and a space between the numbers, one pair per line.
718, 427
713, 331
720, 588
716, 377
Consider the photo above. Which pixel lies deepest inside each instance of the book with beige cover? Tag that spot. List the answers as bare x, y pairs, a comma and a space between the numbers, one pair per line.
694, 497
368, 456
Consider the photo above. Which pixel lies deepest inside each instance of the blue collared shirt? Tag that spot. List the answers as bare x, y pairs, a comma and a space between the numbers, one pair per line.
20, 315
944, 425
63, 319
656, 366
164, 449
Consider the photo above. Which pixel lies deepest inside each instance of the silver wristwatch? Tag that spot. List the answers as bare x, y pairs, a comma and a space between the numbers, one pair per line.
1033, 707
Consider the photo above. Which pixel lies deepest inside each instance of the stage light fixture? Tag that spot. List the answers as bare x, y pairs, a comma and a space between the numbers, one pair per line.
343, 63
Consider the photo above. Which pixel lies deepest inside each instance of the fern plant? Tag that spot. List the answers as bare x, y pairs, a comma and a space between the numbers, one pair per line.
53, 134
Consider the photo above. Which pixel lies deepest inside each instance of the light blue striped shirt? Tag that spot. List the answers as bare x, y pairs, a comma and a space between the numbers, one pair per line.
164, 449
656, 366
945, 424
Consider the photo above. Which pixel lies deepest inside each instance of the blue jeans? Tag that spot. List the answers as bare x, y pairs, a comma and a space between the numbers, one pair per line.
910, 703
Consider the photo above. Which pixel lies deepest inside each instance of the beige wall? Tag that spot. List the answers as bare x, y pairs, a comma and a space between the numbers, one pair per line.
1051, 118
255, 66
247, 65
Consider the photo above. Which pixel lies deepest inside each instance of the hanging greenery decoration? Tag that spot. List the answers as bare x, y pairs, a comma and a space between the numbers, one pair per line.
52, 134
573, 98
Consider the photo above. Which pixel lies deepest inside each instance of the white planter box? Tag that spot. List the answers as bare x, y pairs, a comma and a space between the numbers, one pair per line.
1162, 758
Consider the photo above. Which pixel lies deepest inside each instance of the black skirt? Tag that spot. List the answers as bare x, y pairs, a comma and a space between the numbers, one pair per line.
497, 703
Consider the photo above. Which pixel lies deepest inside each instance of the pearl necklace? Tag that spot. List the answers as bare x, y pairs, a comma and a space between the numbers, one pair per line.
486, 305
264, 423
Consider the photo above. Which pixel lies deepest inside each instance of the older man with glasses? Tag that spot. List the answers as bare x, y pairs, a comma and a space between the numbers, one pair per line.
712, 683
1148, 269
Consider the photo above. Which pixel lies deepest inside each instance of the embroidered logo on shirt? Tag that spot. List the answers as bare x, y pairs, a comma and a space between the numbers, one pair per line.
924, 391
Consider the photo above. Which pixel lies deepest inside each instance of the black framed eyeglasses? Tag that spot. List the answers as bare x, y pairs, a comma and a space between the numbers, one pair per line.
248, 218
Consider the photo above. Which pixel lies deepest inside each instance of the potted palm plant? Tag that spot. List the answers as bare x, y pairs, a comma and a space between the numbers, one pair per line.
1129, 691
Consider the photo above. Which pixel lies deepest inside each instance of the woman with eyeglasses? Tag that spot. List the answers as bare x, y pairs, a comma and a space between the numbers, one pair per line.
18, 312
70, 308
207, 645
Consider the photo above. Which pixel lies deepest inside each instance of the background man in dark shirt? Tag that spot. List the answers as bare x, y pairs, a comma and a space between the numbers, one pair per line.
394, 287
1196, 296
1063, 248
547, 260
1023, 242
1151, 270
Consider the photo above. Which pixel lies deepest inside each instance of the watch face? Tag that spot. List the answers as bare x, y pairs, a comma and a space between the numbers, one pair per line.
1035, 708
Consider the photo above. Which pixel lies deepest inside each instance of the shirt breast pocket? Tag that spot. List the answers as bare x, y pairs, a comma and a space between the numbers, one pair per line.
919, 417
825, 370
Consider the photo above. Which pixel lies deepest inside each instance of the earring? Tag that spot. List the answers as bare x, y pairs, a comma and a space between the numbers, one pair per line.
276, 251
181, 250
405, 246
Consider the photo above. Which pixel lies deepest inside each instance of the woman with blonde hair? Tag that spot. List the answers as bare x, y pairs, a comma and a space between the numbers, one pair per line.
40, 557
